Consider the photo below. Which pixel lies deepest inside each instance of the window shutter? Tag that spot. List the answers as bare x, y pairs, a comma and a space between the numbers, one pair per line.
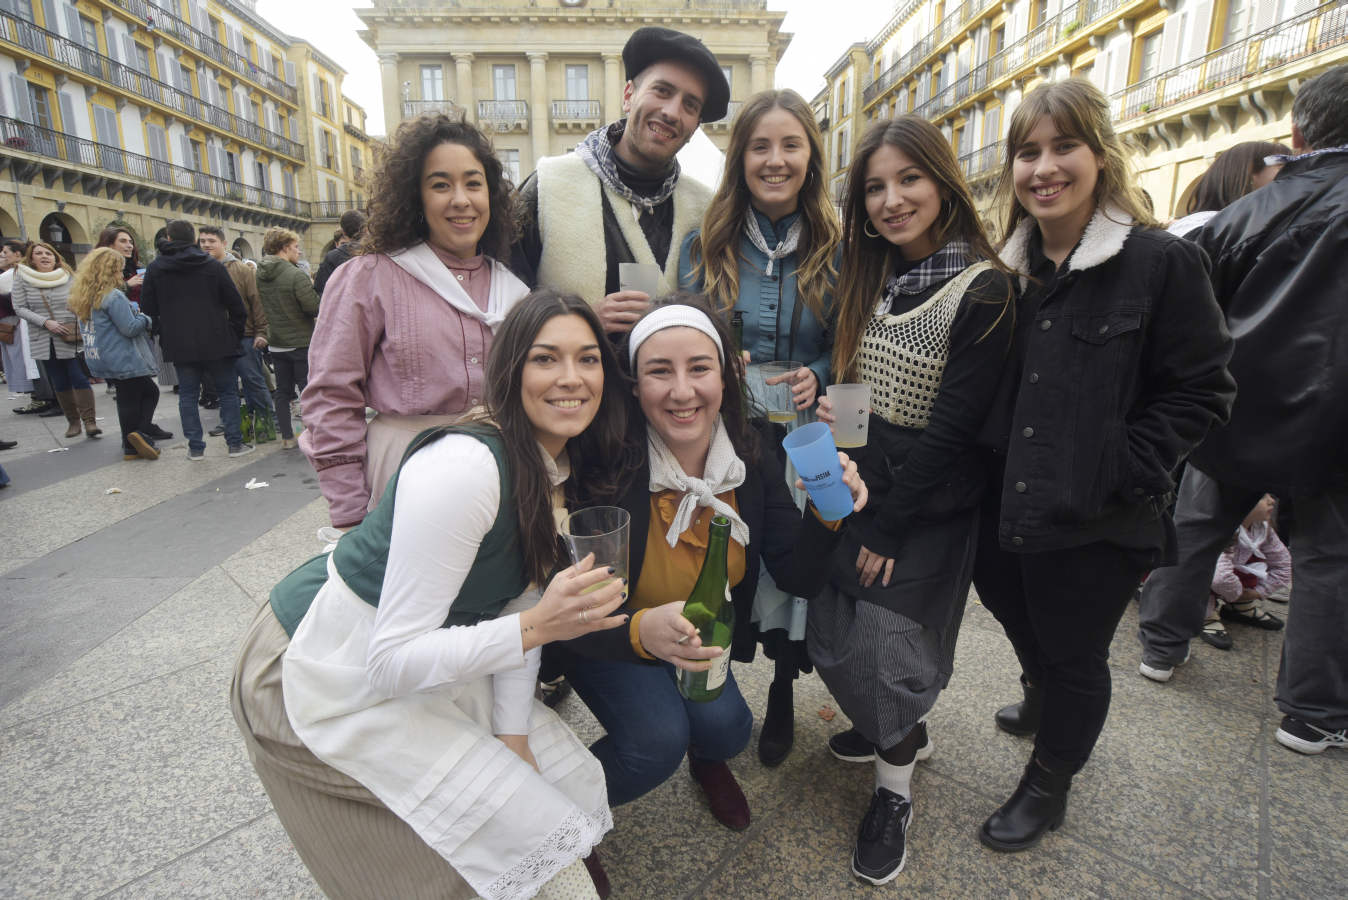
49, 16
294, 129
185, 148
290, 73
68, 121
23, 104
73, 27
110, 39
129, 48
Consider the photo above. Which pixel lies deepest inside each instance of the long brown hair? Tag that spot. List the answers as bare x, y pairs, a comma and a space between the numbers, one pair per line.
595, 453
109, 234
867, 261
1078, 109
397, 220
715, 251
99, 274
1231, 175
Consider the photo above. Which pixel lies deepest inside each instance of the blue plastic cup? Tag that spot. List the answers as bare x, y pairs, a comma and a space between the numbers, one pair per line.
815, 457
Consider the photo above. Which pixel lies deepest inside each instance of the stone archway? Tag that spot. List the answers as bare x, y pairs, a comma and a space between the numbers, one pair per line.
1182, 202
9, 226
242, 249
65, 234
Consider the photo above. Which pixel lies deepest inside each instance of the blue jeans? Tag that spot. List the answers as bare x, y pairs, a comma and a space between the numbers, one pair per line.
248, 366
650, 726
221, 374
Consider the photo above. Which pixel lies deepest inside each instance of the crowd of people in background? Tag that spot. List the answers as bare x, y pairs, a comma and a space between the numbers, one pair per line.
1094, 406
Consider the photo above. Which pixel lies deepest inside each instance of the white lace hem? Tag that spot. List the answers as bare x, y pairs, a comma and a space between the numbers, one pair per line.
572, 839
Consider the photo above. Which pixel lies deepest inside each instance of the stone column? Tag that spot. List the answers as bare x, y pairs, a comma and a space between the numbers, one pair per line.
758, 74
613, 88
393, 93
463, 84
538, 101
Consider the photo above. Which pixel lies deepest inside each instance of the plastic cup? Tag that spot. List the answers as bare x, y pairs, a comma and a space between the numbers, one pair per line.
774, 398
851, 414
644, 277
603, 531
815, 457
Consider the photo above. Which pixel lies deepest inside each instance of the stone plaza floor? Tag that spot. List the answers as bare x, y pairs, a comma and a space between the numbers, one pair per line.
122, 773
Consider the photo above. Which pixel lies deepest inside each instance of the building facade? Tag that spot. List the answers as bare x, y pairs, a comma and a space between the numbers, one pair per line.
139, 112
540, 74
1186, 78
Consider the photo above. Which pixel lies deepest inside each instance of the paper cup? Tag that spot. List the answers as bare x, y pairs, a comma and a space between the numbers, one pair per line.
851, 414
815, 457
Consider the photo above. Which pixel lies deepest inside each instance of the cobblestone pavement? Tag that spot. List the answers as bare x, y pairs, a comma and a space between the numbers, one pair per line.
123, 774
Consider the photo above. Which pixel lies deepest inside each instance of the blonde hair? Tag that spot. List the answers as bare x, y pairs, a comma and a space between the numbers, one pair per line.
1078, 109
715, 252
277, 239
99, 275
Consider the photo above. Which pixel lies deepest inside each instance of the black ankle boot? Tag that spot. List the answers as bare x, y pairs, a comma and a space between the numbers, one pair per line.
779, 724
1022, 719
1038, 805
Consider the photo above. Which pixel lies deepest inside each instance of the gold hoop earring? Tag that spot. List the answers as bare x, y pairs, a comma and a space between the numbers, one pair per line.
867, 230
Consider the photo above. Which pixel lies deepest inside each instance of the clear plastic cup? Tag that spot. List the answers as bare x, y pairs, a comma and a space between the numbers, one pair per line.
851, 414
603, 531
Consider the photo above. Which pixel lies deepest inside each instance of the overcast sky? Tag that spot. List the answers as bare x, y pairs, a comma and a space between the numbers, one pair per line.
823, 29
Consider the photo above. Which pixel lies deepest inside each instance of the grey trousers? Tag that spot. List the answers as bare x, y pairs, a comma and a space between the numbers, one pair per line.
1175, 599
1313, 672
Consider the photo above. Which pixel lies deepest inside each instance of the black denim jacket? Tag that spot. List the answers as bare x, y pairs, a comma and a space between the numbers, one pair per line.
1123, 373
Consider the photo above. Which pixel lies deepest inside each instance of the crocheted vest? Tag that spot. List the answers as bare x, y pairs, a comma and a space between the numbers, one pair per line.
903, 356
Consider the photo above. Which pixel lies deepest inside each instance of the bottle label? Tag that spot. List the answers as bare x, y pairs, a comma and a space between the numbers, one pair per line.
720, 667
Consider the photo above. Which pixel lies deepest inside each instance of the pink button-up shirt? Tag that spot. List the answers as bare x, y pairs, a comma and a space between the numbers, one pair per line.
386, 341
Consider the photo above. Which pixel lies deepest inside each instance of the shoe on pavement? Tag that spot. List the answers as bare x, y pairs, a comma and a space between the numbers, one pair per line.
155, 433
1303, 737
50, 412
882, 840
144, 449
216, 431
850, 746
1160, 671
1214, 635
241, 449
8, 445
728, 805
1256, 617
196, 455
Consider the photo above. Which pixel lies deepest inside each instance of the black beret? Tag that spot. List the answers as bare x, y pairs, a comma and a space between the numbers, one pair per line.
652, 44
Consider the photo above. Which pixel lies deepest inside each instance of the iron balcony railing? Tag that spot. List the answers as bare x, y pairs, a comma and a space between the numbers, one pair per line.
981, 163
1286, 41
414, 108
502, 110
62, 50
208, 46
116, 162
330, 209
567, 110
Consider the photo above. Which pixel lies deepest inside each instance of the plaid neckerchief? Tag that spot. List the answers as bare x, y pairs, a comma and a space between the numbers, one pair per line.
947, 262
596, 150
1282, 159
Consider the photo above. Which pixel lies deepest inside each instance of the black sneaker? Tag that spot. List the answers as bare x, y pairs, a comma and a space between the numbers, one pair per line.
850, 746
155, 433
1303, 737
216, 431
882, 840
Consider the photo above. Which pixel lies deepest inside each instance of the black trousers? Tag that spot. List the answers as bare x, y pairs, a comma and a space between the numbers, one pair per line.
1060, 609
292, 374
136, 401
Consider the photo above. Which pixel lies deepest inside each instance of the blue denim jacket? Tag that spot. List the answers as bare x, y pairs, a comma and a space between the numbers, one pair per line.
769, 303
117, 340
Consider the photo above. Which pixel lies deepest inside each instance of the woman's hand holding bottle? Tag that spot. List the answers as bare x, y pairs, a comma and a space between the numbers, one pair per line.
577, 601
667, 635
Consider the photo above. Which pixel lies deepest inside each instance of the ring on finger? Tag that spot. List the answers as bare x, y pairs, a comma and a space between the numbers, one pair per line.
583, 617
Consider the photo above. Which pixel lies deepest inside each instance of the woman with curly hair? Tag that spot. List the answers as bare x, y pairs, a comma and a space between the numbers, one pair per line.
116, 337
405, 327
766, 251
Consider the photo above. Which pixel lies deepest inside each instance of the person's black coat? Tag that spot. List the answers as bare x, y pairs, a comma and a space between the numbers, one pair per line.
794, 547
331, 260
1124, 372
1280, 273
196, 309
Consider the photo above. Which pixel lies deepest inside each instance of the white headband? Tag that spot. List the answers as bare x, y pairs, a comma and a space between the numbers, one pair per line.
672, 316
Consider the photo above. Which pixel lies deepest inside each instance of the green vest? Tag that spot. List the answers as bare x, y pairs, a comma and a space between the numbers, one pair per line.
497, 575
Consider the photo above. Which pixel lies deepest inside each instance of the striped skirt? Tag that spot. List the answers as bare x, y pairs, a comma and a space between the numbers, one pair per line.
886, 653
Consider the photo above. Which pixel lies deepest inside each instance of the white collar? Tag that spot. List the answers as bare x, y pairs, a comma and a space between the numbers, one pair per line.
420, 261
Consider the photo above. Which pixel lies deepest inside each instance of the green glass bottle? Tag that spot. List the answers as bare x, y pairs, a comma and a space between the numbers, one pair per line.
737, 329
713, 614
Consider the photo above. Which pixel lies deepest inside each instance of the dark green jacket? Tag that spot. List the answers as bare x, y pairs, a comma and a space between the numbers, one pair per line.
291, 303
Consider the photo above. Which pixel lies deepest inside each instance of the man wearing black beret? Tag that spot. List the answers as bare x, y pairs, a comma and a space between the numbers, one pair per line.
622, 182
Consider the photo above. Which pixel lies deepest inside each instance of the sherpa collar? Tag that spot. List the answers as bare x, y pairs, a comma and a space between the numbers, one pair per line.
1101, 241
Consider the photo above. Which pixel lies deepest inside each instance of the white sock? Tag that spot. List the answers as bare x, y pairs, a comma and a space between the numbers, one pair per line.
894, 778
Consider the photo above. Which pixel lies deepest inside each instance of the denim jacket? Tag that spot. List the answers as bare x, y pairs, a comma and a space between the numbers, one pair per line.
769, 303
117, 340
1124, 372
